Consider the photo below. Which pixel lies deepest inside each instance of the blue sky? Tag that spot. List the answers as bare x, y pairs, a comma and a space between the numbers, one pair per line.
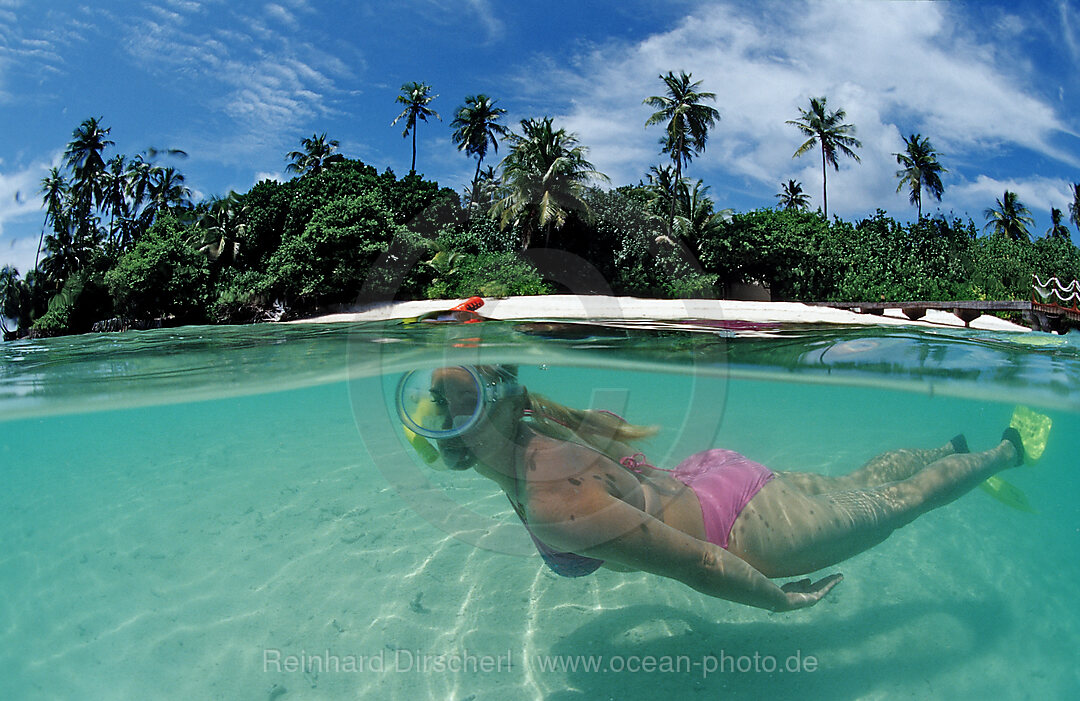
236, 84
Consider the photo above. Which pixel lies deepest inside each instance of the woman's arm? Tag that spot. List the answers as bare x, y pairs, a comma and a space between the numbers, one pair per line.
591, 522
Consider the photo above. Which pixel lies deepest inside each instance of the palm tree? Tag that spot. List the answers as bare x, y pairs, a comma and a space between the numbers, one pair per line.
115, 192
416, 97
9, 297
168, 191
483, 192
827, 130
662, 189
688, 122
1009, 218
220, 229
1057, 230
695, 218
476, 125
83, 157
74, 238
54, 193
317, 154
545, 176
138, 177
792, 196
1074, 206
921, 169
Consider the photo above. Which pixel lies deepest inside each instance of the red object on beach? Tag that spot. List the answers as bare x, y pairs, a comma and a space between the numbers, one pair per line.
462, 313
469, 305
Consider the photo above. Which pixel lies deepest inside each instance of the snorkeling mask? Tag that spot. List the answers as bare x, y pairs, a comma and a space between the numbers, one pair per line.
434, 405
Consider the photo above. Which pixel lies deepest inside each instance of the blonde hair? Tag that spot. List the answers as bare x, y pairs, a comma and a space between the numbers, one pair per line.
601, 430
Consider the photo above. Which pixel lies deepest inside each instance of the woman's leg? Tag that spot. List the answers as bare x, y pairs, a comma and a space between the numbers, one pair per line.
892, 466
785, 532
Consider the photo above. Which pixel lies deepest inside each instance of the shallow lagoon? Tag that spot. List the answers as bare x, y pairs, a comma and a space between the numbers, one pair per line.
185, 510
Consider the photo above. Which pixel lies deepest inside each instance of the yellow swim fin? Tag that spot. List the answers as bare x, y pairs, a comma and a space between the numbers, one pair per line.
1034, 430
1008, 494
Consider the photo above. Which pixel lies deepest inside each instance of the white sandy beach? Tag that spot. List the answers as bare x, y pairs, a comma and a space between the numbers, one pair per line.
630, 308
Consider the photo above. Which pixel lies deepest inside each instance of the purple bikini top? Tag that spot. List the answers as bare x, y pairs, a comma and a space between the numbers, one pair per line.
561, 563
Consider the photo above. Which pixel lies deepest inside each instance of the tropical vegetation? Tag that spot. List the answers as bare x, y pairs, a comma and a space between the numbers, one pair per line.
687, 123
476, 127
124, 245
543, 177
827, 131
317, 153
416, 97
792, 196
1009, 218
921, 170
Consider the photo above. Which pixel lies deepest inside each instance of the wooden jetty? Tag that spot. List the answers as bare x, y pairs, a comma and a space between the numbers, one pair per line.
966, 310
1053, 306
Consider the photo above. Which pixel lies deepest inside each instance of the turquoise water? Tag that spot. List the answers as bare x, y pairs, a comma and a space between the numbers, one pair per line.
186, 511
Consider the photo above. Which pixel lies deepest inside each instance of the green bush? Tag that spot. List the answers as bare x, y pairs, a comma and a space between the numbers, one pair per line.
792, 252
625, 243
881, 259
481, 234
239, 297
329, 260
1002, 268
264, 212
162, 276
57, 321
485, 274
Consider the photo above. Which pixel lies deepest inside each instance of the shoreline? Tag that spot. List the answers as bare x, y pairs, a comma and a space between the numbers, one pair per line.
601, 307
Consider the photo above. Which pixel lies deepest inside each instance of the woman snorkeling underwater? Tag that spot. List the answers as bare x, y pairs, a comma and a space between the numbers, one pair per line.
718, 522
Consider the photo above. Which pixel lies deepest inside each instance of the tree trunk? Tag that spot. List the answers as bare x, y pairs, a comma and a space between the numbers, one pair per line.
412, 168
674, 191
824, 183
476, 182
38, 251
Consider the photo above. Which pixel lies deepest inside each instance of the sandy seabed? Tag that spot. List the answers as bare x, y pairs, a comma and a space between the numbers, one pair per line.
255, 547
188, 551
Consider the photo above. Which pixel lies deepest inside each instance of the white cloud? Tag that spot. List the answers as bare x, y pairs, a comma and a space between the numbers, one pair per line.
19, 192
1038, 194
1010, 25
20, 212
184, 5
282, 15
896, 68
264, 80
29, 52
1067, 16
19, 252
493, 26
451, 12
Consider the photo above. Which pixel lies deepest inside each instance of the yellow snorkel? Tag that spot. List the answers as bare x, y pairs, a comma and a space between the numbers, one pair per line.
444, 403
427, 452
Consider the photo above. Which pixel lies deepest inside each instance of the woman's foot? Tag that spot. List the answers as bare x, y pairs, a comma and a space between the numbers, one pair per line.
1013, 436
959, 444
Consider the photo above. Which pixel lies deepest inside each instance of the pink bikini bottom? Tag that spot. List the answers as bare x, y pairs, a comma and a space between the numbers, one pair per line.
724, 482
